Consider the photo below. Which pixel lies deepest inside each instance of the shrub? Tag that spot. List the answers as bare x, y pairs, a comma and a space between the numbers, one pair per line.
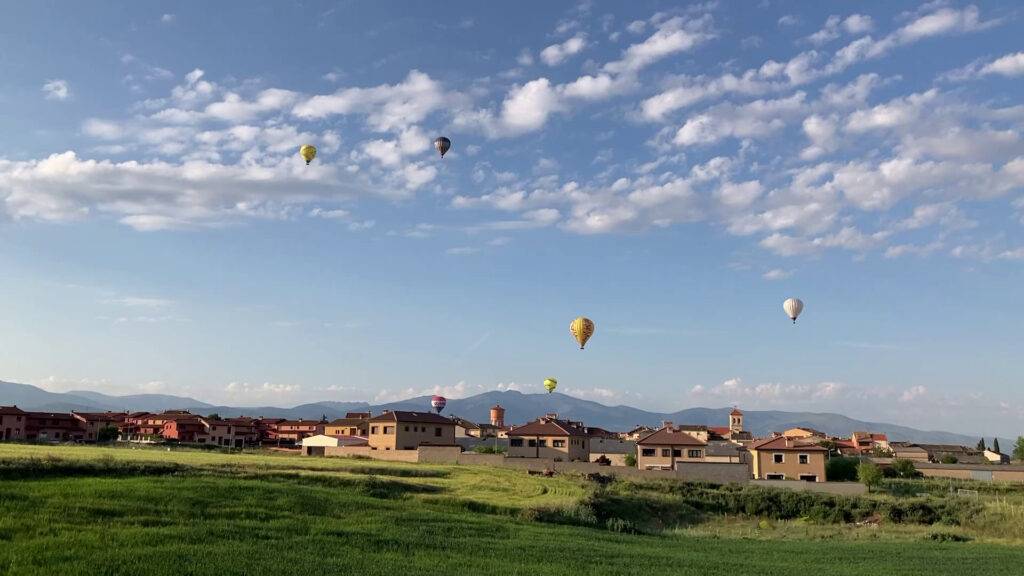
948, 459
630, 460
841, 469
904, 468
484, 449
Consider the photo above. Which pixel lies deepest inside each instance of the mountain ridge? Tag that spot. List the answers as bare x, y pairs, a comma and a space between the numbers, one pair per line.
519, 408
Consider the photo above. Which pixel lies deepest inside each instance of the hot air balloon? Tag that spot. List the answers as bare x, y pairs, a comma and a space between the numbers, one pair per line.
442, 144
438, 402
308, 152
793, 308
550, 384
582, 329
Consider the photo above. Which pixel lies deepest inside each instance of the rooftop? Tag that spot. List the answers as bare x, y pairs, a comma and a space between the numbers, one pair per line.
549, 426
670, 436
783, 443
403, 416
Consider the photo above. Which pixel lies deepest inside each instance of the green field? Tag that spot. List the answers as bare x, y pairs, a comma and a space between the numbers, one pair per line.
80, 510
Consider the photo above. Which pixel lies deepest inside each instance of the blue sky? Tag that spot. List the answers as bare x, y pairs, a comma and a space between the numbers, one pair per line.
673, 172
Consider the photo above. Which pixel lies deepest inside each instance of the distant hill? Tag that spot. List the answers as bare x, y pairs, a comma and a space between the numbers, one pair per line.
519, 408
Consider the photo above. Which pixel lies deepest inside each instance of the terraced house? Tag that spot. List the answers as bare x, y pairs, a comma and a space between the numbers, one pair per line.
93, 422
550, 437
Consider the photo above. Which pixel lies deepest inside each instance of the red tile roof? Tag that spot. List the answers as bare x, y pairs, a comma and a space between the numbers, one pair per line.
11, 410
670, 437
735, 412
783, 443
101, 416
720, 430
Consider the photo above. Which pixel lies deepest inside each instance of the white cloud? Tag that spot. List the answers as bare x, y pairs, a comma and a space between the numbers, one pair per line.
777, 274
558, 53
1011, 65
821, 131
755, 119
893, 114
914, 393
56, 90
462, 251
247, 391
141, 302
789, 20
168, 18
527, 107
387, 107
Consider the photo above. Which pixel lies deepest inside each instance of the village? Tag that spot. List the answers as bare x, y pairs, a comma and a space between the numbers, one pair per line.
796, 457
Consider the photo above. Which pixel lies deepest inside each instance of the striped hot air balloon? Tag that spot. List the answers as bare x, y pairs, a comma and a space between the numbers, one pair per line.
442, 145
582, 329
438, 403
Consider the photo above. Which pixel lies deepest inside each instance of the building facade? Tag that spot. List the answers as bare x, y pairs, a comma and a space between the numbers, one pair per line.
12, 423
663, 448
401, 430
784, 458
550, 437
93, 422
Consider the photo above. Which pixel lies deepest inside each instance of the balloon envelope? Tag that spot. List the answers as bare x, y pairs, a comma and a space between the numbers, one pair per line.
793, 308
442, 145
438, 403
308, 152
550, 384
582, 329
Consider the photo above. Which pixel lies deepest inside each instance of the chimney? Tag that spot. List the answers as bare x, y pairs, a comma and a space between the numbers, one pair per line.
667, 424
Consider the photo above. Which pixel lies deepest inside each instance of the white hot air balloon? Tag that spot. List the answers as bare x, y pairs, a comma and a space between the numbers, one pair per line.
793, 308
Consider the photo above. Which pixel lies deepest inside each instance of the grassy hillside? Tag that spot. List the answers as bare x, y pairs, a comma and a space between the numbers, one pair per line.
81, 510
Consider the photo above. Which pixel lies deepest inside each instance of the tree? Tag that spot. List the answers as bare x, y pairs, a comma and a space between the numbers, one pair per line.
213, 416
995, 445
904, 468
869, 474
948, 459
1018, 448
630, 459
831, 446
841, 469
106, 434
981, 445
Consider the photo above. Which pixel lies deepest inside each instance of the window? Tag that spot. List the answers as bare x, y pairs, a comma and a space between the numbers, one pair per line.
389, 429
558, 443
804, 459
778, 458
665, 452
647, 452
373, 429
694, 454
542, 443
533, 443
677, 453
437, 431
516, 442
775, 476
406, 428
809, 477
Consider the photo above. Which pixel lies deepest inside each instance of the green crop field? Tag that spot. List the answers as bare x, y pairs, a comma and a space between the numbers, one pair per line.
87, 511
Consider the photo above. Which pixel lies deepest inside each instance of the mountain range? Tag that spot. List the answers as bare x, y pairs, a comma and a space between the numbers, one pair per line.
519, 408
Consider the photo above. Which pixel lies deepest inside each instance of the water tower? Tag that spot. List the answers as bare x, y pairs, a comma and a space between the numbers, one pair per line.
498, 416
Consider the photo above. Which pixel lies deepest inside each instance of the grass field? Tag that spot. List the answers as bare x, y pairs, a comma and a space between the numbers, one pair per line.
82, 510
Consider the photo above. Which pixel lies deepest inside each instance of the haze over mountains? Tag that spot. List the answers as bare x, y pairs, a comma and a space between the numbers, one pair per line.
519, 408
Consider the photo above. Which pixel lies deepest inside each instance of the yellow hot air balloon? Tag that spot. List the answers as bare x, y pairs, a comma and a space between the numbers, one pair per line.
308, 152
550, 384
582, 329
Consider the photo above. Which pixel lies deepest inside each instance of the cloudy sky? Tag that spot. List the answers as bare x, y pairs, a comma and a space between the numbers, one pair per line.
672, 172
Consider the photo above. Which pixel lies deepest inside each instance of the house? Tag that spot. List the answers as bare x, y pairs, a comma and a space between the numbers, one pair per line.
93, 422
733, 432
637, 433
782, 458
806, 434
144, 426
726, 452
186, 429
661, 449
353, 424
550, 437
961, 454
465, 429
606, 446
266, 429
996, 457
867, 442
292, 431
245, 431
401, 430
232, 432
53, 427
909, 451
12, 423
314, 445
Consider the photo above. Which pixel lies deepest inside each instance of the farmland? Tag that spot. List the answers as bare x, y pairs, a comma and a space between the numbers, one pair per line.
78, 510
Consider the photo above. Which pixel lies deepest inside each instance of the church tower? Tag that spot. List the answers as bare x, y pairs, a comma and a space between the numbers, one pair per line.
736, 420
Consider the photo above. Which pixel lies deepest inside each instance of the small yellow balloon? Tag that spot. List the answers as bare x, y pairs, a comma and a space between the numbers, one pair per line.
308, 152
582, 329
550, 384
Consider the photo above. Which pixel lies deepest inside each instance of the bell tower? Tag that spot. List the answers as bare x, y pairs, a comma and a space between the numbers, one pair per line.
735, 420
